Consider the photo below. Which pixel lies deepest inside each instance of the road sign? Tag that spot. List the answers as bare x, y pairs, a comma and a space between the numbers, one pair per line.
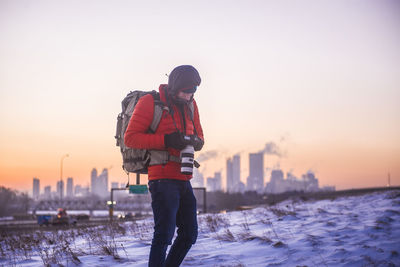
138, 189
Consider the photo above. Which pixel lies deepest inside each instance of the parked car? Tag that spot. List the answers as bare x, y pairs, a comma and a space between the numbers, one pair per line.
61, 218
125, 216
44, 219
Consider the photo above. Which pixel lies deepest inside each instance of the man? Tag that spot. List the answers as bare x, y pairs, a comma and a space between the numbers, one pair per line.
173, 201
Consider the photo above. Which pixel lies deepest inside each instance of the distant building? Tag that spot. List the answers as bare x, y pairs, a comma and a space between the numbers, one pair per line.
210, 184
233, 174
86, 191
103, 182
310, 182
277, 184
81, 191
78, 190
70, 187
214, 183
229, 175
47, 192
218, 181
36, 188
99, 183
241, 188
236, 172
119, 193
255, 181
198, 178
93, 181
60, 189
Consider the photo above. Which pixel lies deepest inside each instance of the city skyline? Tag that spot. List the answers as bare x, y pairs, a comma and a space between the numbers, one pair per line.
222, 173
314, 85
257, 180
233, 162
99, 185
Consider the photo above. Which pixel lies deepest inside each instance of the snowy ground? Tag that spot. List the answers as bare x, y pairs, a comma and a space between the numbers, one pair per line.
349, 231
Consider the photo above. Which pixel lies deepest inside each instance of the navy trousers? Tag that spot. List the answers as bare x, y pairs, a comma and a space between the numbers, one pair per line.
174, 205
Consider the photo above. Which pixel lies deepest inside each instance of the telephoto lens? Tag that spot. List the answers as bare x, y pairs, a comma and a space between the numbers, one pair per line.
187, 159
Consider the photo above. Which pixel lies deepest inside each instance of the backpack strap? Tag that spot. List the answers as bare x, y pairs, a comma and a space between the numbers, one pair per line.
158, 112
161, 157
191, 109
191, 114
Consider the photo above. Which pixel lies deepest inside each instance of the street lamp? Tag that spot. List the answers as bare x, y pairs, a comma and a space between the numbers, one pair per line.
61, 171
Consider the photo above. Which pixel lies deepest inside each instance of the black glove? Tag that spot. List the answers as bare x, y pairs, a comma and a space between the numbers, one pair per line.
175, 140
196, 142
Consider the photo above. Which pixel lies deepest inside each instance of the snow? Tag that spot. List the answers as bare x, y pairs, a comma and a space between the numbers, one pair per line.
349, 231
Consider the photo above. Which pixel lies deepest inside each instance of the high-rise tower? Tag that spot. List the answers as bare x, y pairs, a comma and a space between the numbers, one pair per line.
36, 188
255, 181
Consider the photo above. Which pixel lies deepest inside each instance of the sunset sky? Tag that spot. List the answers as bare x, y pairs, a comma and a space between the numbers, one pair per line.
319, 79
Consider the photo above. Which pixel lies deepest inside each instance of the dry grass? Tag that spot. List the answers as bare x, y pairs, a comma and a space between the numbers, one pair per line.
281, 212
213, 222
143, 231
52, 247
226, 236
59, 247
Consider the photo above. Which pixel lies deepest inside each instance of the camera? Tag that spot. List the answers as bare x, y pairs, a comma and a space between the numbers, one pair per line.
187, 158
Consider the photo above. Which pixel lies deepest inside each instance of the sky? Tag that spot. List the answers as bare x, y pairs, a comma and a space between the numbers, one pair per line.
318, 79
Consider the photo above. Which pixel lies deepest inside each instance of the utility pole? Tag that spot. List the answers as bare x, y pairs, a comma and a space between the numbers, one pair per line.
388, 184
112, 203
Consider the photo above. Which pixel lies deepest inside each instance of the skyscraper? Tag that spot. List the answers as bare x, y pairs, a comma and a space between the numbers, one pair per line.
102, 182
70, 187
60, 189
229, 175
99, 184
233, 174
255, 181
47, 192
93, 181
236, 172
218, 181
36, 188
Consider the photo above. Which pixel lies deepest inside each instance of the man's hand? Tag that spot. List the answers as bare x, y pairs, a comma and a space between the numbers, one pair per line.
175, 140
196, 142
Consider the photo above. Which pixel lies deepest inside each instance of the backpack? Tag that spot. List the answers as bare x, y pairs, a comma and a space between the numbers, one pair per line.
138, 160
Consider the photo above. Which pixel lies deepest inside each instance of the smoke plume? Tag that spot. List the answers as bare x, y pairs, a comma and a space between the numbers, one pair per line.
207, 155
272, 148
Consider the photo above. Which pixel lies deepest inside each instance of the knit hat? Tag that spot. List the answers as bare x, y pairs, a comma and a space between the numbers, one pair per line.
183, 78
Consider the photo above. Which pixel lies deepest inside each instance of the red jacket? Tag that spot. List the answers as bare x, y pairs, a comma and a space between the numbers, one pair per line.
136, 135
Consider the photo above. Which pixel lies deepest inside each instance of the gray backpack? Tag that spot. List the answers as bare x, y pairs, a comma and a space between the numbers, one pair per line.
138, 160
